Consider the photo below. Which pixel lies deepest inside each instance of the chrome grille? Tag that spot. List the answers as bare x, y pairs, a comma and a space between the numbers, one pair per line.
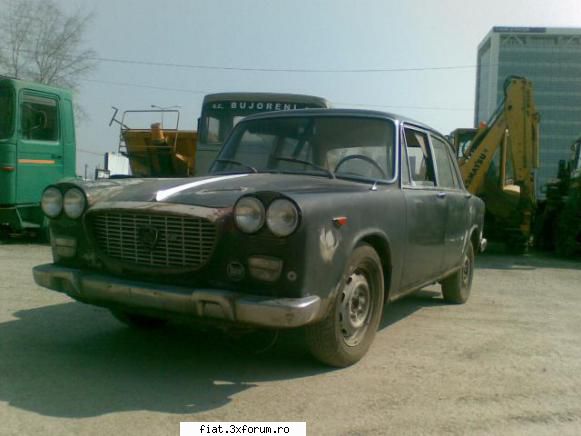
154, 240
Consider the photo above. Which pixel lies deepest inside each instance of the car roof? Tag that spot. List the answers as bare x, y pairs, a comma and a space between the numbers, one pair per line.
364, 113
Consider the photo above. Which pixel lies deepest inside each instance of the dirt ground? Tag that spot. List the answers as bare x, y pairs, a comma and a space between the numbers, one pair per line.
508, 362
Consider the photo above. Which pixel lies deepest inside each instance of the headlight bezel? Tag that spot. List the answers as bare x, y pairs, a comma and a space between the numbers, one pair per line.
83, 203
270, 219
248, 201
60, 205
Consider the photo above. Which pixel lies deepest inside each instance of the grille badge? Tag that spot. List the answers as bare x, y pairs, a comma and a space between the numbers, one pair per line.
148, 236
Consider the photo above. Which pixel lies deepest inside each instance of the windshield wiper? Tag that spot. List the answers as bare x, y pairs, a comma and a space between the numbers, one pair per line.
235, 162
306, 162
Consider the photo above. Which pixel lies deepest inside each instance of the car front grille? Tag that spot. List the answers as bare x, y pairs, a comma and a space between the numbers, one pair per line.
170, 241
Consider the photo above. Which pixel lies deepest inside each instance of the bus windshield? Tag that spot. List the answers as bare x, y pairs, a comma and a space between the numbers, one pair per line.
219, 117
6, 112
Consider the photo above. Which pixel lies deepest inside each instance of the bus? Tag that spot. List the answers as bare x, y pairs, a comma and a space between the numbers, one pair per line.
221, 112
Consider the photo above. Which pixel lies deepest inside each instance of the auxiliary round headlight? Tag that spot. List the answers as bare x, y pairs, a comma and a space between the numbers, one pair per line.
249, 214
52, 202
74, 203
282, 217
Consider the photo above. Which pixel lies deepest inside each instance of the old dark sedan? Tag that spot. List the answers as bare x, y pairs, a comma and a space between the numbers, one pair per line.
310, 218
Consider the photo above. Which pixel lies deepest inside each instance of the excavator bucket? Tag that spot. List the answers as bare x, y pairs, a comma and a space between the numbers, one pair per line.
158, 153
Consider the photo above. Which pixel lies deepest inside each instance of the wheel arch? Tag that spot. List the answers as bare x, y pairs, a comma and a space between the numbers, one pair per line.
381, 245
475, 235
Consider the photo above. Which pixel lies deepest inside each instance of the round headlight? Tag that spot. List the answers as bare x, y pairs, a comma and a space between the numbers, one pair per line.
249, 214
52, 202
74, 203
282, 217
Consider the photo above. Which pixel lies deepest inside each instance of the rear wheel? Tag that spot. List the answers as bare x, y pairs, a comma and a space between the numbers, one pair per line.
345, 335
456, 288
4, 233
138, 321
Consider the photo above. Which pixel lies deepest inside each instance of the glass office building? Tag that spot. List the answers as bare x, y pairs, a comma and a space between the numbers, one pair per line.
551, 59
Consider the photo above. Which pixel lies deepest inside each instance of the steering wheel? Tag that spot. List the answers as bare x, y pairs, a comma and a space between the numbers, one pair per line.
362, 157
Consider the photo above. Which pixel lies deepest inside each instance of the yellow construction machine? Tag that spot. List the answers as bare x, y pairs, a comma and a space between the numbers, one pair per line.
155, 151
498, 162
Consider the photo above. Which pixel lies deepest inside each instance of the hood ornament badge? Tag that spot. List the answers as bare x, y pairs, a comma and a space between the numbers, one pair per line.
148, 237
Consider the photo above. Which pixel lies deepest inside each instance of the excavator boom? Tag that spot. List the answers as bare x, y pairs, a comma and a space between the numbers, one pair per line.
498, 162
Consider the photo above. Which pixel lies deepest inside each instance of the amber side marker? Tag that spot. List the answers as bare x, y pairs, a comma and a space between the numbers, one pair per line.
7, 169
340, 221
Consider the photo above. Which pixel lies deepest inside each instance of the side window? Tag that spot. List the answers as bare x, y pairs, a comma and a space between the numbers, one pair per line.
420, 161
444, 167
6, 112
213, 130
39, 118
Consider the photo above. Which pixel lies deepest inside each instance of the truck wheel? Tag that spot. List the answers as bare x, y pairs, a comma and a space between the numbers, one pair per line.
456, 288
44, 231
345, 335
138, 321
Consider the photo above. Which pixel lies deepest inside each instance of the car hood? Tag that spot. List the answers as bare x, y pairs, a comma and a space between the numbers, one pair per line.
214, 191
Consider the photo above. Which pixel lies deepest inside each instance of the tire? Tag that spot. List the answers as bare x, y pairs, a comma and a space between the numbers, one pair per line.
344, 336
138, 321
456, 288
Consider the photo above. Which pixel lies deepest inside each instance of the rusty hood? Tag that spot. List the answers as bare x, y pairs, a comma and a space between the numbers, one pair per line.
214, 191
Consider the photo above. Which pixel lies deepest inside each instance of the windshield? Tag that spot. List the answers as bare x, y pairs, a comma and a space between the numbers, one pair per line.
6, 112
323, 145
219, 117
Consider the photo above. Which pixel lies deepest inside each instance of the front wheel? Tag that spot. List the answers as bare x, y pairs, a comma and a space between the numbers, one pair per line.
456, 288
345, 335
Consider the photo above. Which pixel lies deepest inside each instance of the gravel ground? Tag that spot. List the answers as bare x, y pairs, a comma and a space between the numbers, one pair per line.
508, 362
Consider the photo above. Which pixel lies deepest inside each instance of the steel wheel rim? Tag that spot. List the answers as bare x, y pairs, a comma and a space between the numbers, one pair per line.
355, 309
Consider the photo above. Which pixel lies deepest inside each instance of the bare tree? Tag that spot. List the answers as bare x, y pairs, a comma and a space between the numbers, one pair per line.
40, 42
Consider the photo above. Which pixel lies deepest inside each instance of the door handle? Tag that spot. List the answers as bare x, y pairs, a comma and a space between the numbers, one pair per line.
441, 195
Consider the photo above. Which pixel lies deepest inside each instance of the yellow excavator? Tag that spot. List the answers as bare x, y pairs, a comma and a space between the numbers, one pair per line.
498, 162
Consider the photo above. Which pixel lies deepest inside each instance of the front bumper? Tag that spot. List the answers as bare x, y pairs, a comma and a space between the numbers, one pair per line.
226, 305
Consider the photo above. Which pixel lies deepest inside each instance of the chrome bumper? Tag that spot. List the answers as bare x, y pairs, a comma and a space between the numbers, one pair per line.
204, 303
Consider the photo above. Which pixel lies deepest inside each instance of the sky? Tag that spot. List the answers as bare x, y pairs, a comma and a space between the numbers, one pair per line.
434, 42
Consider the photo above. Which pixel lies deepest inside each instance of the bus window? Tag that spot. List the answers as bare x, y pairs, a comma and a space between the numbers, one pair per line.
39, 118
6, 112
213, 131
220, 116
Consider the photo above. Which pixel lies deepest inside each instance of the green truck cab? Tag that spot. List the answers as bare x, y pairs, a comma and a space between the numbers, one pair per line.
37, 148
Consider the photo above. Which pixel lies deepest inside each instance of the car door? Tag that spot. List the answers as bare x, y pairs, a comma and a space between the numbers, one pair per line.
426, 210
451, 186
40, 148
